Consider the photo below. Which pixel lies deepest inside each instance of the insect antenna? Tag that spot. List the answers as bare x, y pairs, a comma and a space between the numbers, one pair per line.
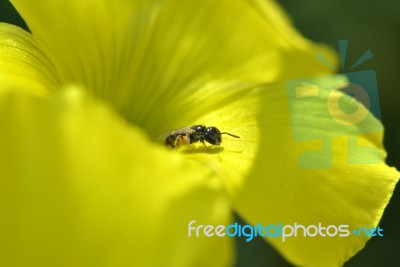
231, 134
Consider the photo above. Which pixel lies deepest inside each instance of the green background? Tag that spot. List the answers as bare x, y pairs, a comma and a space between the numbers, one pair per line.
366, 24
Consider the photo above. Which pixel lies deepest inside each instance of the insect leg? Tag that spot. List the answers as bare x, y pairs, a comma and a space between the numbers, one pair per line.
202, 141
177, 141
188, 141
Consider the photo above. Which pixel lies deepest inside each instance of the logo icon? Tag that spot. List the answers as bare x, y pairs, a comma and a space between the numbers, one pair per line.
350, 101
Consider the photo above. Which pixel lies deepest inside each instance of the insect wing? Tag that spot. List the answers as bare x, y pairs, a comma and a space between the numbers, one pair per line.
183, 131
176, 132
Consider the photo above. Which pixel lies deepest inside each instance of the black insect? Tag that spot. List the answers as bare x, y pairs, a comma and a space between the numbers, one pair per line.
193, 134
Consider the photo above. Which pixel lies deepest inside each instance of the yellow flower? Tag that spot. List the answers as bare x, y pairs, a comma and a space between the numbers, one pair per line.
84, 98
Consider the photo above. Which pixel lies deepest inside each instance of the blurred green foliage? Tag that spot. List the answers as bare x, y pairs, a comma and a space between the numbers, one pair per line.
367, 24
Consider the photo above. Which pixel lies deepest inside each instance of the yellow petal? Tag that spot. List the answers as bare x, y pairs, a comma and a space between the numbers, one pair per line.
24, 62
79, 187
148, 57
303, 160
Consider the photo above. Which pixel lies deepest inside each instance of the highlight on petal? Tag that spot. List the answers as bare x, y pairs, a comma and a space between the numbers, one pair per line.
236, 114
23, 61
148, 57
79, 187
308, 168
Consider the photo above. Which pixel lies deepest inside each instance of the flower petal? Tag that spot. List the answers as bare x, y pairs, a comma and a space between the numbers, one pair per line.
24, 62
79, 187
301, 160
148, 57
